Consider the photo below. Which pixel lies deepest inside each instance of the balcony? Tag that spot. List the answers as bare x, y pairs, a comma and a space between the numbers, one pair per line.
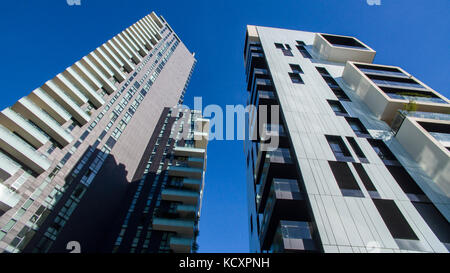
31, 111
341, 49
180, 226
284, 202
428, 142
65, 101
8, 167
22, 152
74, 76
293, 237
192, 184
186, 211
196, 162
49, 105
189, 151
180, 195
8, 199
16, 123
180, 244
185, 171
384, 98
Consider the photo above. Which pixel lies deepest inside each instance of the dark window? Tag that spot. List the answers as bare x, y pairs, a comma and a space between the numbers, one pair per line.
337, 90
339, 149
383, 151
357, 127
344, 177
394, 220
295, 77
337, 108
407, 183
280, 46
362, 157
435, 220
370, 187
296, 68
343, 41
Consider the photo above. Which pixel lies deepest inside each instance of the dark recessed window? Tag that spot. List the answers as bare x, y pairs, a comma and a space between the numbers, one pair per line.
296, 68
357, 127
435, 220
286, 49
339, 149
370, 187
302, 49
345, 180
394, 220
296, 78
383, 151
362, 157
337, 90
337, 107
407, 183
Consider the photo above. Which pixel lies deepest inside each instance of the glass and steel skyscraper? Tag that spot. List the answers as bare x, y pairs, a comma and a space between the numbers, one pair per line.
362, 161
88, 162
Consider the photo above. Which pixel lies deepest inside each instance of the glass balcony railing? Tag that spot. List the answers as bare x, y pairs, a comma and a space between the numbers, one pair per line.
382, 72
398, 84
429, 115
351, 47
416, 98
442, 138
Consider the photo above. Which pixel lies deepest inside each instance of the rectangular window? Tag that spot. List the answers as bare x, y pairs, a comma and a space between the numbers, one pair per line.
370, 187
286, 49
296, 68
394, 220
301, 46
362, 157
345, 179
337, 107
295, 78
407, 183
339, 149
383, 151
357, 127
337, 90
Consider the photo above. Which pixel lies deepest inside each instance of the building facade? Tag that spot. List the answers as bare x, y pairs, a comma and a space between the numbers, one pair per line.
74, 150
362, 159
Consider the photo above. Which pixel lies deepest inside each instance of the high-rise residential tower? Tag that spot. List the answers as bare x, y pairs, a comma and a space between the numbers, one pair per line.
362, 161
88, 162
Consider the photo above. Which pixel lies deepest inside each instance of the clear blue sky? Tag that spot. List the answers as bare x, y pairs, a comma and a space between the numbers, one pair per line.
40, 38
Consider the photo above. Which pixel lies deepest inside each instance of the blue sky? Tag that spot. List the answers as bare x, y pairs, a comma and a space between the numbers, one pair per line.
39, 39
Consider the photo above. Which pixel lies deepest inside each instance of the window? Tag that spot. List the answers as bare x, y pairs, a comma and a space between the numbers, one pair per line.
337, 107
295, 78
370, 187
362, 157
407, 183
337, 90
357, 127
339, 149
345, 179
301, 48
296, 68
286, 49
383, 151
394, 220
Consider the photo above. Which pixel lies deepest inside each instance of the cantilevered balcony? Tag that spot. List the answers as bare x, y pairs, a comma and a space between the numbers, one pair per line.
387, 94
22, 152
189, 151
186, 211
335, 48
293, 237
180, 226
192, 184
180, 244
185, 171
49, 105
284, 202
31, 111
16, 123
8, 167
196, 162
8, 199
180, 195
65, 101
